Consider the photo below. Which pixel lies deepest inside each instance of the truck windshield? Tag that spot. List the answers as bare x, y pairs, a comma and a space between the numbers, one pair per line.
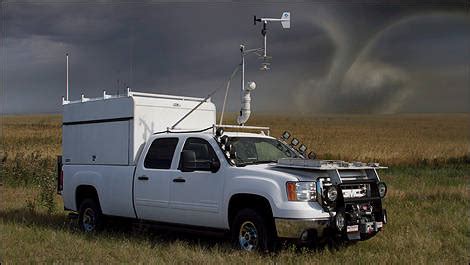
256, 150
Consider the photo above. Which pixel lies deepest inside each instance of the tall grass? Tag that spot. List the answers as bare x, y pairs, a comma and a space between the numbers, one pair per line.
428, 224
30, 145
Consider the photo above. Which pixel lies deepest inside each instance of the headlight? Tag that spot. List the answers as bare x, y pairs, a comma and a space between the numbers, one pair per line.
382, 189
332, 193
301, 191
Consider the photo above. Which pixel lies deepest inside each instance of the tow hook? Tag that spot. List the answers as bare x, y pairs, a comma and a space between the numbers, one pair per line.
72, 216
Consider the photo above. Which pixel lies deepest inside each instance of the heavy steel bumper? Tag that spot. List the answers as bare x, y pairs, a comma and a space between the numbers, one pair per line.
302, 229
306, 229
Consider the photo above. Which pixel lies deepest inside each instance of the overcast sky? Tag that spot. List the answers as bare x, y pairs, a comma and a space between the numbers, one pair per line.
336, 58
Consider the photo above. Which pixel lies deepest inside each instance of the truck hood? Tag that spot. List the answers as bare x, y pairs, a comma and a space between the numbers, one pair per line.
306, 169
288, 173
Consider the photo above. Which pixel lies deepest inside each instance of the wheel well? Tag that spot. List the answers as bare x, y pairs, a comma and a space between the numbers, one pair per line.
85, 192
252, 201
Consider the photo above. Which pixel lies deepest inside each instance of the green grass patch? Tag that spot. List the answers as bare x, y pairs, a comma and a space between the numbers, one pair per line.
428, 223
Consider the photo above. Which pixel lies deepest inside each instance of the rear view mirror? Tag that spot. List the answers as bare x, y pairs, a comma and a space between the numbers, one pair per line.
215, 165
188, 161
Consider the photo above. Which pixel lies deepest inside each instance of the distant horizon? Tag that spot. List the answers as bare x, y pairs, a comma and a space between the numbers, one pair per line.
281, 115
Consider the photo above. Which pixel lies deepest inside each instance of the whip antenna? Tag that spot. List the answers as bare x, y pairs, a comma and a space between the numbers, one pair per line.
67, 70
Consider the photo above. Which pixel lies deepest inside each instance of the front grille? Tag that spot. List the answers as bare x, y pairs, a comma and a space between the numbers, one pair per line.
358, 198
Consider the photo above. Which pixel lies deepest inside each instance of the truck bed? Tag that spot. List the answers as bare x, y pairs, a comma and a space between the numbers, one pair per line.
114, 185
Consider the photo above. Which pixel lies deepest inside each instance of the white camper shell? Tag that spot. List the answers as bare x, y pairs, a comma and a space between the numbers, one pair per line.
112, 130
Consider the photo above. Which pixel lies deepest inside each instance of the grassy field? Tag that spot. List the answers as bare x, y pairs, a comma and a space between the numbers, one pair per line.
428, 201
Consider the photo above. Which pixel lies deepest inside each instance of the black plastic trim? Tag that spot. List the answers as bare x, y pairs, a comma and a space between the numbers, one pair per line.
97, 121
359, 181
364, 199
133, 193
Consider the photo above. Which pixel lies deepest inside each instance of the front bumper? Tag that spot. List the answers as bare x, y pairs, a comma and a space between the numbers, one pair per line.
302, 229
306, 229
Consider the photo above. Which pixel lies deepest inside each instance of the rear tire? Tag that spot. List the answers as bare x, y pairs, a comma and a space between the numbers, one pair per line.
90, 218
252, 231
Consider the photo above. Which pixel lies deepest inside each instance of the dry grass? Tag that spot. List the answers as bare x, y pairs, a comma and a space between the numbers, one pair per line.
428, 223
427, 204
389, 139
32, 134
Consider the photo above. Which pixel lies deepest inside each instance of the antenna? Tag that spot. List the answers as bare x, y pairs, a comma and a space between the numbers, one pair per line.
67, 89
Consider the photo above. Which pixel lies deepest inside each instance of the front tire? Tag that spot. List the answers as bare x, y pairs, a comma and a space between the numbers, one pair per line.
90, 217
252, 231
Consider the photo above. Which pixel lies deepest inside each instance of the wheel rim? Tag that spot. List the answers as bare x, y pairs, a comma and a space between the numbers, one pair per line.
248, 236
88, 220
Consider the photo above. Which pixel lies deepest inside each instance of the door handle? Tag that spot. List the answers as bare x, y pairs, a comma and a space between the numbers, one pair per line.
143, 177
179, 180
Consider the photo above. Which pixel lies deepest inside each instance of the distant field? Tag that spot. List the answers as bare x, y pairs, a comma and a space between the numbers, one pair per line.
390, 139
427, 203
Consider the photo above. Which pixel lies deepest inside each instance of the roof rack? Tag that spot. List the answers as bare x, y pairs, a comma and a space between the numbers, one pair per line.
151, 95
214, 128
130, 93
243, 127
183, 130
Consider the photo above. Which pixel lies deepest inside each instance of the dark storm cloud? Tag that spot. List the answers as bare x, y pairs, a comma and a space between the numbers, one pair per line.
335, 58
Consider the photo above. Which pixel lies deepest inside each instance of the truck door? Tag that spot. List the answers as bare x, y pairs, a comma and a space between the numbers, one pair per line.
196, 196
152, 180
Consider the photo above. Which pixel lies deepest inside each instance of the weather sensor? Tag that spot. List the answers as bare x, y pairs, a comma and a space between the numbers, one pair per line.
245, 96
285, 22
245, 110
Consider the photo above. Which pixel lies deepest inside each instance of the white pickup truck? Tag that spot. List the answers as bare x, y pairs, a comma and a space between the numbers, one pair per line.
120, 159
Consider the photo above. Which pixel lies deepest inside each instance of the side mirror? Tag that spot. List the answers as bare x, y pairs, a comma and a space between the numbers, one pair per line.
215, 165
188, 161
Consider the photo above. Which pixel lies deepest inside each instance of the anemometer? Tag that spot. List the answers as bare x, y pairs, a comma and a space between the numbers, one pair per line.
285, 22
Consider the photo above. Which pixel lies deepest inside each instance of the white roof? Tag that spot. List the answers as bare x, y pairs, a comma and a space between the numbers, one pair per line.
246, 134
209, 132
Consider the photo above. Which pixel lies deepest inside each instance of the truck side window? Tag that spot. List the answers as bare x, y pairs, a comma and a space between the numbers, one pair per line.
204, 152
161, 153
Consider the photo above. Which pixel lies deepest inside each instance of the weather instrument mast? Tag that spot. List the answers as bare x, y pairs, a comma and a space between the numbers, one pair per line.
245, 110
245, 97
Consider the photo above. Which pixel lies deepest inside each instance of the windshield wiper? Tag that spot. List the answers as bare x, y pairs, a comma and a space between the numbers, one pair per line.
244, 163
266, 161
255, 162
